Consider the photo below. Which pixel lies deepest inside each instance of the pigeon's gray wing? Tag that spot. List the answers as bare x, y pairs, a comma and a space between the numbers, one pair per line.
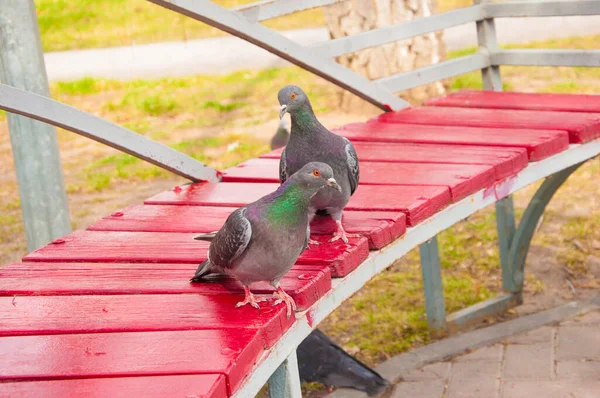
352, 162
282, 168
231, 240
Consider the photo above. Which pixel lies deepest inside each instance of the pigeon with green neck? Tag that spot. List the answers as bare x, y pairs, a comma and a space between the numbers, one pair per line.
262, 240
310, 141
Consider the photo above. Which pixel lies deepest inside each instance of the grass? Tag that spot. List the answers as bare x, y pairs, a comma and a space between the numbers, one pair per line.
70, 25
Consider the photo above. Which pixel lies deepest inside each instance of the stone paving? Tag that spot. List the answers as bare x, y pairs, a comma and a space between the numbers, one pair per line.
560, 361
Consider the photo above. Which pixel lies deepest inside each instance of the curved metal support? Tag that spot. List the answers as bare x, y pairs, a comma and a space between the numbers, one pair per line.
58, 114
234, 23
527, 225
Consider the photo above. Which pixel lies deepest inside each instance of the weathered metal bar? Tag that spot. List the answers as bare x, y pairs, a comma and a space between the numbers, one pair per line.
477, 312
529, 221
268, 9
488, 45
231, 22
433, 73
547, 57
432, 283
401, 31
541, 8
58, 114
505, 222
285, 381
34, 144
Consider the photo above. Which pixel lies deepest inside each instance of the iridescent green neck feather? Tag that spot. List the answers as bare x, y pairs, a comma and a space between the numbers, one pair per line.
303, 118
289, 205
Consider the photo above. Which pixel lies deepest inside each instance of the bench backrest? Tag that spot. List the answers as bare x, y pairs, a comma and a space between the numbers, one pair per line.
245, 22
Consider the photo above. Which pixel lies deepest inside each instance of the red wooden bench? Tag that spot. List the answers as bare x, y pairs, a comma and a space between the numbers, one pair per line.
109, 311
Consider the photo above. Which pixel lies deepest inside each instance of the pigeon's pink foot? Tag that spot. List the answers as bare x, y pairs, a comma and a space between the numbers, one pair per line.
341, 234
313, 242
283, 297
249, 299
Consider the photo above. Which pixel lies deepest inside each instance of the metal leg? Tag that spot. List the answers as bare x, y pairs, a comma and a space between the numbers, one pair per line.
432, 282
527, 225
285, 381
35, 146
505, 221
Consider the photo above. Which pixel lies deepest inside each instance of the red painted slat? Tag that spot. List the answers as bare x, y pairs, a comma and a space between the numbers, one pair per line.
521, 101
197, 386
462, 179
37, 315
380, 228
540, 144
156, 247
306, 284
582, 127
506, 161
70, 356
417, 202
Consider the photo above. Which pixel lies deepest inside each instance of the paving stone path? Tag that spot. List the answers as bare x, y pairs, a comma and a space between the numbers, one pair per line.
560, 361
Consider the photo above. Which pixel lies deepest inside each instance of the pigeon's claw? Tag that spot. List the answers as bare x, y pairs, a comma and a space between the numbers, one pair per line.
249, 299
282, 297
341, 234
313, 242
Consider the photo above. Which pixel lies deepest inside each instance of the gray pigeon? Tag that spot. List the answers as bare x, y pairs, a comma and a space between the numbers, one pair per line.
262, 240
282, 136
310, 141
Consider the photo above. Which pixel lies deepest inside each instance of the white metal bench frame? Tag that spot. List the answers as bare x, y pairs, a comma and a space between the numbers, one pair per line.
279, 365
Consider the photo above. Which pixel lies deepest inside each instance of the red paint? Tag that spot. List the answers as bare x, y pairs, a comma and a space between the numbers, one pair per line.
462, 179
58, 241
582, 127
192, 352
389, 198
387, 108
50, 279
309, 318
117, 214
506, 161
537, 147
500, 189
155, 247
177, 189
380, 228
188, 386
139, 313
522, 101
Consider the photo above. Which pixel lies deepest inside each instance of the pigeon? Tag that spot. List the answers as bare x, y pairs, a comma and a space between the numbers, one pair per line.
321, 360
262, 240
282, 136
310, 141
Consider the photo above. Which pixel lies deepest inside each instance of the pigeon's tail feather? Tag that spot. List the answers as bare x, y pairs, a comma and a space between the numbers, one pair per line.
321, 360
203, 269
207, 237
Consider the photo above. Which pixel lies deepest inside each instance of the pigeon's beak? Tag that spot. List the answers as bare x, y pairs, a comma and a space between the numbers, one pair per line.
282, 111
331, 182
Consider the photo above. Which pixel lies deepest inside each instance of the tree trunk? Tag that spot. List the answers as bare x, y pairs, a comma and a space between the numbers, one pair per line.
355, 16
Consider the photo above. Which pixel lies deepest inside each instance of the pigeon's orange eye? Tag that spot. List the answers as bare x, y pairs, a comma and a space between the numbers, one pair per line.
316, 172
293, 95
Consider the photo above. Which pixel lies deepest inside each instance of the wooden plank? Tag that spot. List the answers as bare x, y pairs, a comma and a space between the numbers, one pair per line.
74, 356
506, 161
156, 247
197, 386
462, 179
37, 315
381, 228
539, 144
521, 101
417, 202
582, 127
305, 284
